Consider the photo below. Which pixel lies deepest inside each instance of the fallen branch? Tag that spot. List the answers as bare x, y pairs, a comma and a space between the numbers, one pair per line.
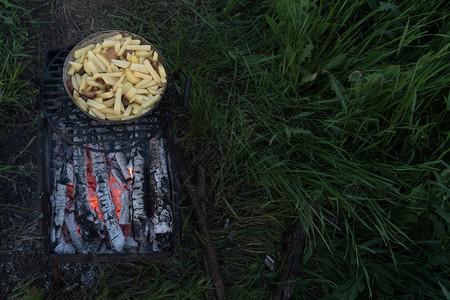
295, 240
219, 287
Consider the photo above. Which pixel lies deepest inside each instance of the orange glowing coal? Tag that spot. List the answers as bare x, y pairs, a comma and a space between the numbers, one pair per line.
116, 192
131, 172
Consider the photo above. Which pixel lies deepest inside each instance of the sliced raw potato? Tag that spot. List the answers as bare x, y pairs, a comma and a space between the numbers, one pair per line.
94, 83
106, 95
141, 53
83, 82
117, 48
76, 66
108, 111
139, 47
130, 93
150, 102
162, 71
78, 79
98, 113
135, 42
128, 110
109, 103
71, 71
131, 78
103, 60
98, 48
117, 101
116, 37
113, 117
152, 71
143, 76
139, 67
91, 67
132, 58
83, 50
96, 62
110, 43
121, 63
115, 74
143, 84
124, 47
95, 104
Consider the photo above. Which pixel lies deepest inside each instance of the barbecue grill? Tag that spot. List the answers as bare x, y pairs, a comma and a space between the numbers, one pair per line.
59, 115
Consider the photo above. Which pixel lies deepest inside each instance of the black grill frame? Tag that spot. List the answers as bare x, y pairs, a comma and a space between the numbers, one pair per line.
78, 129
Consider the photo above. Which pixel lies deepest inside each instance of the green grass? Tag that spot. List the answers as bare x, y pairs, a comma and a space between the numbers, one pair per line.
15, 58
15, 91
335, 113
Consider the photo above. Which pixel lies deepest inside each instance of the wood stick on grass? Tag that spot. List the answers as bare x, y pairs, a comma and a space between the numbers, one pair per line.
204, 231
295, 240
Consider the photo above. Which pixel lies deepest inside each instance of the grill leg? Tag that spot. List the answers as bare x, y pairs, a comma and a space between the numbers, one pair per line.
58, 279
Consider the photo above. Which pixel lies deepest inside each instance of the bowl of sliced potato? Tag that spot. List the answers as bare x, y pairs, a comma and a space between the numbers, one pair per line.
115, 76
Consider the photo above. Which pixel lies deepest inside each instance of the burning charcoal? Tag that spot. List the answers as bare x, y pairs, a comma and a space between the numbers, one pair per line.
105, 201
130, 243
124, 207
118, 177
77, 241
122, 161
160, 191
66, 174
64, 248
140, 219
58, 200
90, 225
69, 156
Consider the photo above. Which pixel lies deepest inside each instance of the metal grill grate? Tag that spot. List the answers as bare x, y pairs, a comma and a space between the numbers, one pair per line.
78, 129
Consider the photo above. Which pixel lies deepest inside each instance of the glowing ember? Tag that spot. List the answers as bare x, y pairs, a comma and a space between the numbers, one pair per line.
92, 187
116, 191
69, 191
131, 172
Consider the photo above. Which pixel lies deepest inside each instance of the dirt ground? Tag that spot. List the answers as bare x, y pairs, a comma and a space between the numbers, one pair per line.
22, 260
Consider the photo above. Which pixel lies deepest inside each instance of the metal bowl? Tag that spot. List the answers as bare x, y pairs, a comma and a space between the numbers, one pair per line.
97, 38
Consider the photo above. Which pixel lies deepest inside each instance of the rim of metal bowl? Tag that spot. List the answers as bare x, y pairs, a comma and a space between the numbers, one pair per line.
99, 37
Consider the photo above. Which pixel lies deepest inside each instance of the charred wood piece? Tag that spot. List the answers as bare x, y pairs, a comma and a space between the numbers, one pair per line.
162, 218
140, 219
107, 207
90, 224
58, 200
